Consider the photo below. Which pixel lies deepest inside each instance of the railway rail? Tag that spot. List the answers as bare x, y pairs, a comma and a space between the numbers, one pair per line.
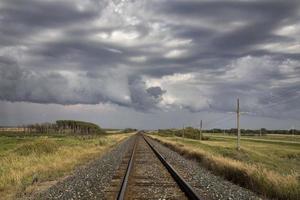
145, 174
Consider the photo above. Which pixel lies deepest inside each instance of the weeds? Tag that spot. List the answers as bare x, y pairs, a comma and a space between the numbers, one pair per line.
102, 142
40, 147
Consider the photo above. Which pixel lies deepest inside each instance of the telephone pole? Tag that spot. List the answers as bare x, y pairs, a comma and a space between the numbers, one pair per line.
173, 132
200, 130
260, 132
238, 124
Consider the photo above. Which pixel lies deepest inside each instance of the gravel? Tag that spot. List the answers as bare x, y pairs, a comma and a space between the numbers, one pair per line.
208, 185
89, 182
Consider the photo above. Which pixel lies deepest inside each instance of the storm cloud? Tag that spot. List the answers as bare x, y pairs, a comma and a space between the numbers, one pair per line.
154, 55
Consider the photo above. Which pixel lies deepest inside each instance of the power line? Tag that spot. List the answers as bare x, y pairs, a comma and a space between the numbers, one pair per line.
227, 118
216, 120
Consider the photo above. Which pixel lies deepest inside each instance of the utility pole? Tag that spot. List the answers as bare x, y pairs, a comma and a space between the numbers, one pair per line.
173, 132
238, 124
260, 132
200, 130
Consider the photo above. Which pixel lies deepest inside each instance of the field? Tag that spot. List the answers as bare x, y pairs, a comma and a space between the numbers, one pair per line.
25, 160
268, 164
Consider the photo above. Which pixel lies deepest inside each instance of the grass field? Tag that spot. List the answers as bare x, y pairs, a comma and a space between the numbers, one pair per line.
268, 165
264, 138
24, 159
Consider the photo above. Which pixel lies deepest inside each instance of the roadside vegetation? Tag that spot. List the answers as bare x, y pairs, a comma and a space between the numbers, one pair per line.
268, 165
188, 132
31, 161
129, 130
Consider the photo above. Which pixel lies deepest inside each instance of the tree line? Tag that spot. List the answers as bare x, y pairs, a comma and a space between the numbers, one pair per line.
194, 133
64, 126
262, 131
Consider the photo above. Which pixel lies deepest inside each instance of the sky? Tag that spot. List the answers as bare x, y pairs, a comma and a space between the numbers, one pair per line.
150, 63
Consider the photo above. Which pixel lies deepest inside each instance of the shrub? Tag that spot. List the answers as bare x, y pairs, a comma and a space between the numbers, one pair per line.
39, 147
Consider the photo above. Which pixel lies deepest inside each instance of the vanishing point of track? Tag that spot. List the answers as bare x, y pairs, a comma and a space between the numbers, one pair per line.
145, 174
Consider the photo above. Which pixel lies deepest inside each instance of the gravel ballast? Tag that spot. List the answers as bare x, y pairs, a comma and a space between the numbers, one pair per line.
203, 181
89, 182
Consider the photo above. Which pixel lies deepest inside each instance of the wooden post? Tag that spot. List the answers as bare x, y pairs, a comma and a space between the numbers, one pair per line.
293, 131
260, 132
238, 124
173, 132
200, 131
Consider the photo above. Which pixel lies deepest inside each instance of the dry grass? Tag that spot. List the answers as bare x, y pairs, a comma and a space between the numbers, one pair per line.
255, 177
46, 159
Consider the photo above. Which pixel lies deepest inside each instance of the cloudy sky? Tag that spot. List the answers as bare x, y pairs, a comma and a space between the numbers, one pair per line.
150, 63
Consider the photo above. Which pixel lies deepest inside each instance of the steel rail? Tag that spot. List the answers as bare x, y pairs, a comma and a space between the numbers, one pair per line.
122, 191
184, 186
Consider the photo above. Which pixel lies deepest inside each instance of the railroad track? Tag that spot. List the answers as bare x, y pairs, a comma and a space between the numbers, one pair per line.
145, 174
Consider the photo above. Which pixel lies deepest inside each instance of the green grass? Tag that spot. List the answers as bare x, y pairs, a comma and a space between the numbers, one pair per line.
270, 160
295, 138
289, 139
23, 158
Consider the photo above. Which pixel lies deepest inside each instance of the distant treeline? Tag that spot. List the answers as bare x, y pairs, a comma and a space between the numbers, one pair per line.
189, 132
193, 133
64, 126
253, 132
129, 130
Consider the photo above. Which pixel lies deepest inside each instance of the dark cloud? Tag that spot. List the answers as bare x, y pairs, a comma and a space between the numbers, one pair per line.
19, 84
84, 53
22, 85
151, 55
230, 10
252, 22
248, 36
143, 98
43, 14
20, 19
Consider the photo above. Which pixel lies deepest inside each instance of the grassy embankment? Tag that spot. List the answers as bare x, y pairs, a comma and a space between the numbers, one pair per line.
268, 166
24, 159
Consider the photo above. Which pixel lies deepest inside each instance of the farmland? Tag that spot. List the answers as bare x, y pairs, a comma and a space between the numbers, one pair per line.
26, 159
268, 164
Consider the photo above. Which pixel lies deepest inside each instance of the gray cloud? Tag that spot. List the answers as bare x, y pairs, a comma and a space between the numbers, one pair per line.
240, 25
143, 98
156, 92
20, 84
20, 19
152, 55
